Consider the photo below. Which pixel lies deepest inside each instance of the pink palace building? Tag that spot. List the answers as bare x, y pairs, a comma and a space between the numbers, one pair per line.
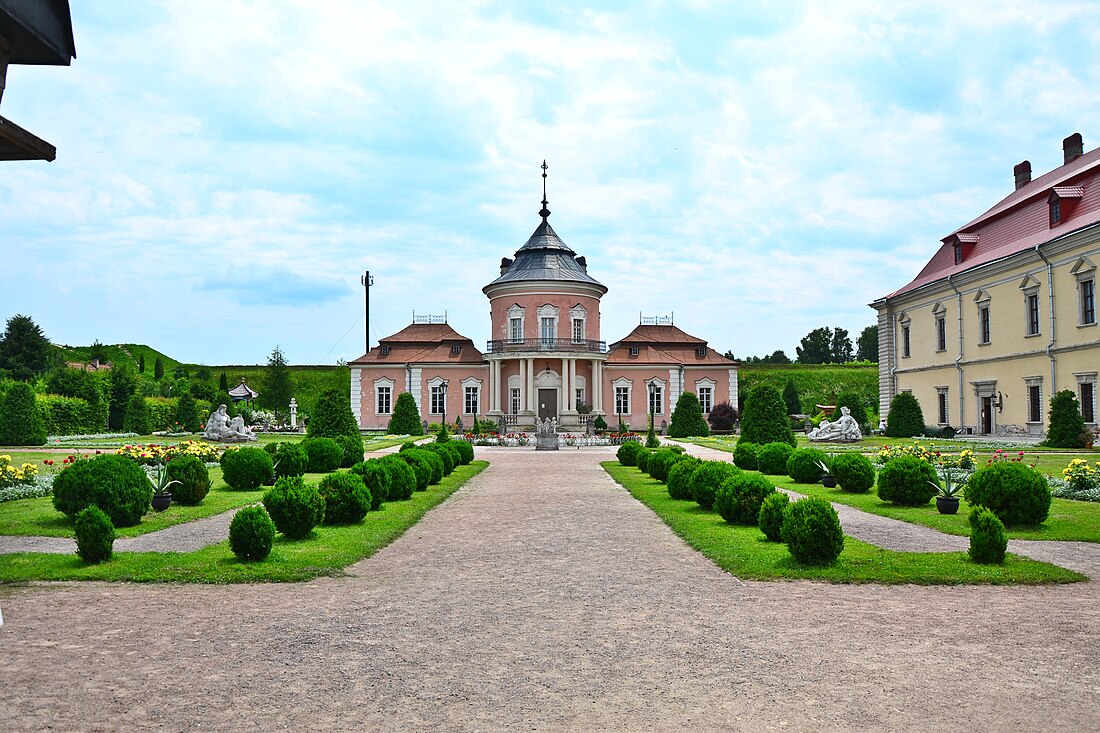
546, 358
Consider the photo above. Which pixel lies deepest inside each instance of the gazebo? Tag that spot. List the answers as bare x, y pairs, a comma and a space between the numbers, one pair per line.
243, 393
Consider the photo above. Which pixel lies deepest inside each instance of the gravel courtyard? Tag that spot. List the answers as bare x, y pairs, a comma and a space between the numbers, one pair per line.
543, 597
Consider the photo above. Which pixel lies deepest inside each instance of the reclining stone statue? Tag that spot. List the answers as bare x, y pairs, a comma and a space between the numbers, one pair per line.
222, 429
845, 429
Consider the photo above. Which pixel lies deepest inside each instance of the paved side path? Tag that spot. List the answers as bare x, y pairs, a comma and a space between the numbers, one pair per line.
543, 597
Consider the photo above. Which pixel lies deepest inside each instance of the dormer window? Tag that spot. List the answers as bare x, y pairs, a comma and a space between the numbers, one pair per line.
1055, 212
963, 244
958, 252
701, 351
456, 349
1062, 201
385, 350
634, 350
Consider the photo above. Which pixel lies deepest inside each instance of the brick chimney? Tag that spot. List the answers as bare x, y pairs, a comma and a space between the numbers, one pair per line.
1023, 174
1073, 147
505, 263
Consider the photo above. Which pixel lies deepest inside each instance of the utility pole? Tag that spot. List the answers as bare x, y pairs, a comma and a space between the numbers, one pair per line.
366, 281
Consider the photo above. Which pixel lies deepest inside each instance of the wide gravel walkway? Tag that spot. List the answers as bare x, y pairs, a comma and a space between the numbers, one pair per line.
543, 597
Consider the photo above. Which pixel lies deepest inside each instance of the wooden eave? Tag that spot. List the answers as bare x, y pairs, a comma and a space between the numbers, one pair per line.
19, 144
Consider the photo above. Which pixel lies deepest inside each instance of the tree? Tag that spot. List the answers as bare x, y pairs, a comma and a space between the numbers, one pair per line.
777, 357
817, 347
1066, 427
722, 416
278, 386
406, 417
905, 419
158, 369
24, 349
97, 353
20, 421
841, 347
123, 385
790, 396
764, 419
136, 419
141, 363
223, 382
331, 416
687, 418
867, 344
187, 411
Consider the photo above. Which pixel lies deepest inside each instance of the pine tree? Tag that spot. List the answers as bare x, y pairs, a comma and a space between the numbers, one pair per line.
1066, 427
905, 419
764, 419
158, 369
24, 349
687, 418
223, 382
141, 363
406, 418
20, 420
187, 411
791, 398
278, 386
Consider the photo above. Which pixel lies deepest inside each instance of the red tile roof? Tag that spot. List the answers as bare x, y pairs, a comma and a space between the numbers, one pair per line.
1020, 221
662, 345
423, 342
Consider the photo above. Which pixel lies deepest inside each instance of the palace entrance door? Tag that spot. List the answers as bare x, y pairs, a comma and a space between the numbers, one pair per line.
548, 404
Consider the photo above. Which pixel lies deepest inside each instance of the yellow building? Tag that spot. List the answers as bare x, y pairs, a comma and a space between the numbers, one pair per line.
1004, 314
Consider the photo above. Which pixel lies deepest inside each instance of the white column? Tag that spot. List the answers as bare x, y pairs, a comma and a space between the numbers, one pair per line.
532, 398
522, 385
494, 387
573, 385
597, 384
564, 384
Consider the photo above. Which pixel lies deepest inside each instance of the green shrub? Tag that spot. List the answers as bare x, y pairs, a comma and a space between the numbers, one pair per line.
115, 484
351, 449
1066, 426
722, 416
406, 418
70, 415
324, 455
627, 453
1016, 493
745, 455
465, 451
804, 465
136, 419
291, 459
446, 456
251, 534
905, 419
657, 464
95, 535
246, 469
772, 458
402, 478
420, 465
770, 518
739, 498
908, 481
193, 477
599, 423
451, 446
347, 499
687, 418
791, 398
376, 477
434, 460
706, 479
331, 416
295, 507
765, 419
854, 472
20, 420
811, 529
987, 537
642, 459
187, 412
679, 477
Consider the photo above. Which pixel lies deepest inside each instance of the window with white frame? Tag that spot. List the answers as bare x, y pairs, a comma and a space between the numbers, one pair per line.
546, 330
436, 405
578, 330
515, 329
579, 395
706, 398
984, 335
383, 399
1087, 295
1031, 307
941, 332
471, 399
514, 400
622, 399
1086, 393
577, 315
656, 394
941, 403
905, 351
1034, 399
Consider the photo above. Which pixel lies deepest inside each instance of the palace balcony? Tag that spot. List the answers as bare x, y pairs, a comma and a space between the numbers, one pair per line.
543, 345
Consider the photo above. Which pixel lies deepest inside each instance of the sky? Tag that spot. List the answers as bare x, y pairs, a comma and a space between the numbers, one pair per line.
227, 171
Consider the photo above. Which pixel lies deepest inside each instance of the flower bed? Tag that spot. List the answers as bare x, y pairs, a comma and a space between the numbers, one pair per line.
513, 440
156, 453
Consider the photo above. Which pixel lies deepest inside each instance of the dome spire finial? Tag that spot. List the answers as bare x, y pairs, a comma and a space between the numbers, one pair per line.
545, 211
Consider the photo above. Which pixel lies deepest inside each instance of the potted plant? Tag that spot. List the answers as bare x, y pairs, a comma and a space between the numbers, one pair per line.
162, 497
947, 501
828, 480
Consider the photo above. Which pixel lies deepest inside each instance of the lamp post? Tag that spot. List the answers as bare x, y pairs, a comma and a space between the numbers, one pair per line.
652, 392
443, 386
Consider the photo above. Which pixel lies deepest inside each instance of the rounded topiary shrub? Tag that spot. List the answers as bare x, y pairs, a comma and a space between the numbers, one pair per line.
447, 458
628, 453
641, 459
421, 466
679, 477
988, 541
351, 447
465, 451
770, 518
854, 472
739, 498
811, 529
347, 499
435, 460
246, 469
95, 535
193, 477
402, 478
290, 459
706, 479
659, 463
114, 483
1017, 494
907, 481
745, 455
324, 455
295, 507
905, 419
804, 465
251, 534
451, 446
772, 458
376, 477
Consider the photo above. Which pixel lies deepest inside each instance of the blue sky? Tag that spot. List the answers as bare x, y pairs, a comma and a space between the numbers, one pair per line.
227, 170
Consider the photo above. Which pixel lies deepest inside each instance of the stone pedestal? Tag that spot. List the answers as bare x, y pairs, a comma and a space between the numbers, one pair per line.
546, 441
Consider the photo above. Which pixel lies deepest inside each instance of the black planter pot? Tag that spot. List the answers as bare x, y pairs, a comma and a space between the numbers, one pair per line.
829, 482
947, 505
161, 501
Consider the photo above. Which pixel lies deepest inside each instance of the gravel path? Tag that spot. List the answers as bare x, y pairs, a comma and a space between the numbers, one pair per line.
543, 597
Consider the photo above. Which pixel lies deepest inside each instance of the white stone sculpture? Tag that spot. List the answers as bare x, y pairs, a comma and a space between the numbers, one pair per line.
845, 429
222, 429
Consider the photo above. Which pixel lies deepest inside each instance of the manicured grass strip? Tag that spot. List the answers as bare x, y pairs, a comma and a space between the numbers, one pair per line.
744, 552
326, 553
1077, 521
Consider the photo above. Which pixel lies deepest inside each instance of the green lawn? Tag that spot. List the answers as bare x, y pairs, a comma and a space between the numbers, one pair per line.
744, 552
326, 553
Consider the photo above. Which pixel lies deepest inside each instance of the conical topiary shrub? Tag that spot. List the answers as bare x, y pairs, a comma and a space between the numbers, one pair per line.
1066, 427
687, 418
765, 418
406, 418
905, 419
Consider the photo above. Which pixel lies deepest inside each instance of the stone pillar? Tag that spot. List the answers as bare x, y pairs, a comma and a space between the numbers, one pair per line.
573, 385
597, 385
531, 396
294, 414
565, 385
522, 385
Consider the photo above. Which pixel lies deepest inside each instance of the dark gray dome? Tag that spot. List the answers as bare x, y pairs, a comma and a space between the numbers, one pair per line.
545, 257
